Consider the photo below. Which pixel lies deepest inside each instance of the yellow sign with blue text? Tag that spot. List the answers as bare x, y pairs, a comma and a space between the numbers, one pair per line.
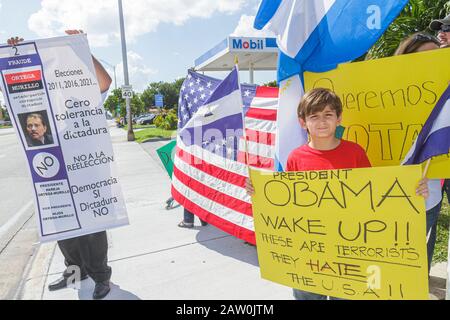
387, 101
355, 234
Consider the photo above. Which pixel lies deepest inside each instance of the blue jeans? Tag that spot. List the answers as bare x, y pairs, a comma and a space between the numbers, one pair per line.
446, 189
189, 217
432, 218
304, 295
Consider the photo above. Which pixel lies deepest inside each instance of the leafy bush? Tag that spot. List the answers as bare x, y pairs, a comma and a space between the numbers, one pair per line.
167, 120
158, 121
171, 121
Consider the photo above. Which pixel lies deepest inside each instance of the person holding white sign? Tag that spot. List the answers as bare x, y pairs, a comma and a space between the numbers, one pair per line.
85, 255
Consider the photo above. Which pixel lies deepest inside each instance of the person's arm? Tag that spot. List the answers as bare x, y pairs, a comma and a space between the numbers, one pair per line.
103, 78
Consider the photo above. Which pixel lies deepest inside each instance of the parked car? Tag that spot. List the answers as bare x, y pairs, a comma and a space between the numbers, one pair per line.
135, 119
146, 120
5, 123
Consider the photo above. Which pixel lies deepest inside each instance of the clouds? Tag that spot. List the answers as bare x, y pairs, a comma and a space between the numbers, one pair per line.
139, 73
245, 28
99, 18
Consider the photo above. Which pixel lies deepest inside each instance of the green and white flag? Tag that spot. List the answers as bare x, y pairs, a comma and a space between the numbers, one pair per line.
167, 154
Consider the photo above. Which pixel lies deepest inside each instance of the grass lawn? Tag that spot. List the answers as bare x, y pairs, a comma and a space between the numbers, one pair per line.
4, 127
140, 126
441, 249
152, 132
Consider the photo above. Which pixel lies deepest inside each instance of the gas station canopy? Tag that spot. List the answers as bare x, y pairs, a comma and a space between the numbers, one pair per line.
252, 54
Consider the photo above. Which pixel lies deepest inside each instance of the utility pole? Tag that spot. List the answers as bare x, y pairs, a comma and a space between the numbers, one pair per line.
125, 71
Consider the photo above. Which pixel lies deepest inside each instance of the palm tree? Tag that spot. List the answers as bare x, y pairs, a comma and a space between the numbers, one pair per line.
415, 17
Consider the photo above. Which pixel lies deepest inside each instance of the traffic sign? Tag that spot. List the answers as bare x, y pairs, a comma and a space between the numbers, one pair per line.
127, 92
159, 100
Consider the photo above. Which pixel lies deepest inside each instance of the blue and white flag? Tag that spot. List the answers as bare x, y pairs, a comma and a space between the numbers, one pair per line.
198, 88
434, 138
214, 125
316, 36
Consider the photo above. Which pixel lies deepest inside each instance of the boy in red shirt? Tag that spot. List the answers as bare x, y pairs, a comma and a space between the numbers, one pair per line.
320, 113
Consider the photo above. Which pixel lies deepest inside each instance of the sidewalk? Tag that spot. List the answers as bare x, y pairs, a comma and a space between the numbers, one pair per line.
152, 258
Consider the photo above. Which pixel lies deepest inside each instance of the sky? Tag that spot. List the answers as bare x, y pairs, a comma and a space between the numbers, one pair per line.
163, 37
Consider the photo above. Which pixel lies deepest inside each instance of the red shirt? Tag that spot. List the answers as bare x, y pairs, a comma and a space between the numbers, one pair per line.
347, 155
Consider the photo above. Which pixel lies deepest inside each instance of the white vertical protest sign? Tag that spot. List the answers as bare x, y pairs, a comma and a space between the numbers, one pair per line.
51, 91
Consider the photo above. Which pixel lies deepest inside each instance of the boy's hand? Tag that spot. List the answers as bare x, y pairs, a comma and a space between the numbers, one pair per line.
422, 189
14, 40
249, 187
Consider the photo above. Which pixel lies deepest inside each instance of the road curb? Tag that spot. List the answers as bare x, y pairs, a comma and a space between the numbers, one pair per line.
15, 224
33, 283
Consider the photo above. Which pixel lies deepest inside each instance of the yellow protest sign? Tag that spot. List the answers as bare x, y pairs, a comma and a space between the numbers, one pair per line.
387, 101
353, 234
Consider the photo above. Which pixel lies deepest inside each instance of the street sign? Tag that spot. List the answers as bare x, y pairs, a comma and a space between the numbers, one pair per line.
127, 92
159, 100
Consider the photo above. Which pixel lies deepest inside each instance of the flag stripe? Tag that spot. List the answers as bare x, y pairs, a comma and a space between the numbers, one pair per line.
214, 181
258, 125
232, 227
264, 103
262, 150
257, 161
262, 114
209, 169
211, 158
260, 137
210, 191
267, 92
212, 207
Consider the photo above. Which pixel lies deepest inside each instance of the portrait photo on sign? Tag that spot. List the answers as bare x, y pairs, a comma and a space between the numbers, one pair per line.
36, 128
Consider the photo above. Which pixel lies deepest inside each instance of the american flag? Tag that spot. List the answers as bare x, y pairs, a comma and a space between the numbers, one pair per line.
260, 128
209, 175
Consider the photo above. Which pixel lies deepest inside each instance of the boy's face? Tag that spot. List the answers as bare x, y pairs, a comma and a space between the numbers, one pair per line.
322, 124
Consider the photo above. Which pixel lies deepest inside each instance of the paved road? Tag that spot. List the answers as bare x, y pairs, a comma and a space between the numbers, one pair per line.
17, 226
15, 188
